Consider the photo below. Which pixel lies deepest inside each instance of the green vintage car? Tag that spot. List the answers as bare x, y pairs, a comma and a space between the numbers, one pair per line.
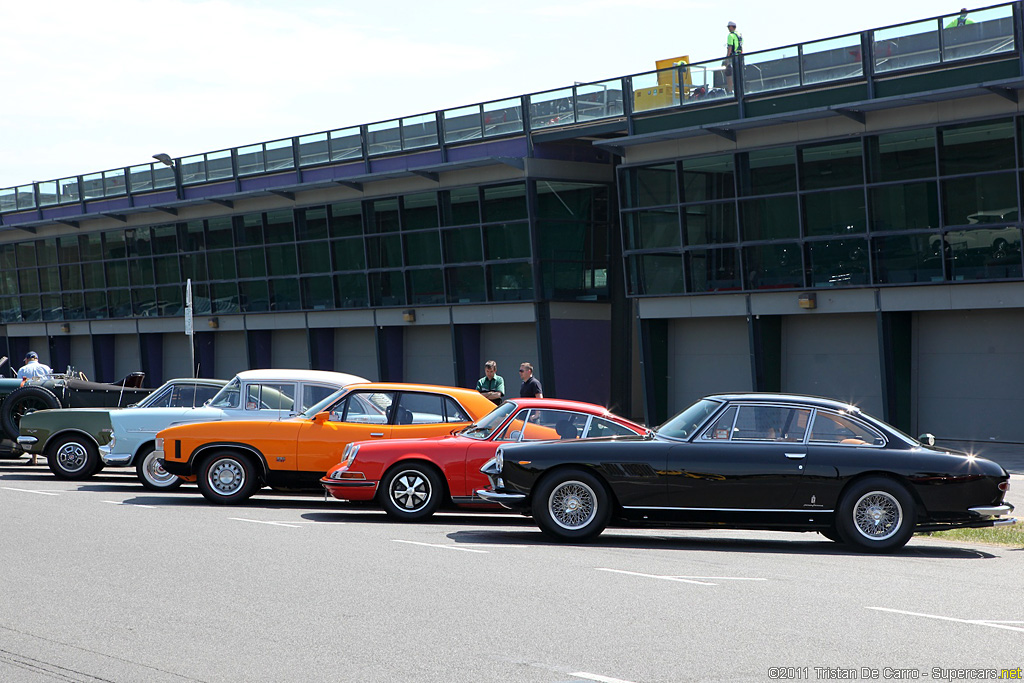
71, 389
66, 436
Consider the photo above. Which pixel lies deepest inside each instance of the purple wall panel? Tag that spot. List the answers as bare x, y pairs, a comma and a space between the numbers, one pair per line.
331, 172
400, 163
269, 182
214, 190
103, 205
511, 147
571, 152
582, 354
155, 198
63, 211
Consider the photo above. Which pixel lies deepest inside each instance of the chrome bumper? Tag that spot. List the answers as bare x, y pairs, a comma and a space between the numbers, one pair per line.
114, 459
500, 497
992, 510
25, 441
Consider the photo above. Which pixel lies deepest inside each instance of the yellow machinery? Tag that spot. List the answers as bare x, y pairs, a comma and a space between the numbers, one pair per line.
673, 84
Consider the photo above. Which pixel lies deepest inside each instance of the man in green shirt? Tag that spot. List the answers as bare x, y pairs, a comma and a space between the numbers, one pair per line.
491, 385
733, 47
961, 20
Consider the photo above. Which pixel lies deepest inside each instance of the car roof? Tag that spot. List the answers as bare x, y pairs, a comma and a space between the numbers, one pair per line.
196, 380
560, 403
412, 386
816, 401
295, 375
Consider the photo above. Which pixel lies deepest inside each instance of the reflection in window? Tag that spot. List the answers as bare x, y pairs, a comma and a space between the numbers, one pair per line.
773, 266
651, 186
710, 223
712, 270
983, 253
912, 206
769, 218
655, 274
977, 147
839, 212
653, 229
907, 258
980, 200
839, 262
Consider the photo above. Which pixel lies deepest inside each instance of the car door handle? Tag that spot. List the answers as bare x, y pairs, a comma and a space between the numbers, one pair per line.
376, 433
796, 456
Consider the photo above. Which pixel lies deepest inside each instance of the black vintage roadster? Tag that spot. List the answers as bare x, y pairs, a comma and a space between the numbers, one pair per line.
755, 461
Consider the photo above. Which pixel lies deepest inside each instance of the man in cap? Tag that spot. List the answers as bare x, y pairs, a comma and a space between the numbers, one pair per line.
733, 47
960, 20
33, 368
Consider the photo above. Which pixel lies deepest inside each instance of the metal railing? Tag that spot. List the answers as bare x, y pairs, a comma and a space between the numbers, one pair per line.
884, 51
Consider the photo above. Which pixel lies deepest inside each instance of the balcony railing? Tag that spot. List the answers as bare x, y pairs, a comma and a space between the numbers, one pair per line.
987, 33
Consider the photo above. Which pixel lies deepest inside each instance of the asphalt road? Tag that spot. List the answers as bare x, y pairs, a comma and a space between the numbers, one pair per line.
105, 581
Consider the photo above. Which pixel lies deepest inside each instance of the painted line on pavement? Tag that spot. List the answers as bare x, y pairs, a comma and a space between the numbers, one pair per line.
41, 493
134, 505
598, 677
260, 521
438, 545
699, 580
973, 622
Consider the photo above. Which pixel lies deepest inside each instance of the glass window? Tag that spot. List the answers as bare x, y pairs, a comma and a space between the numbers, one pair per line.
831, 165
655, 274
505, 116
249, 229
317, 293
313, 149
280, 226
71, 277
510, 282
253, 296
839, 212
228, 396
169, 300
311, 223
462, 206
983, 253
771, 423
251, 262
314, 257
426, 286
96, 305
505, 203
314, 393
453, 412
466, 284
909, 45
507, 241
418, 409
977, 147
384, 137
653, 229
74, 305
462, 124
831, 427
769, 171
550, 425
980, 199
223, 297
284, 294
350, 290
571, 201
117, 273
722, 428
708, 178
422, 248
92, 275
419, 211
600, 427
383, 215
836, 263
346, 219
384, 252
221, 265
712, 270
905, 155
218, 165
364, 407
119, 302
769, 218
387, 288
141, 271
144, 301
462, 244
773, 266
651, 186
912, 206
978, 33
194, 266
348, 254
270, 396
281, 260
346, 143
907, 258
710, 223
218, 235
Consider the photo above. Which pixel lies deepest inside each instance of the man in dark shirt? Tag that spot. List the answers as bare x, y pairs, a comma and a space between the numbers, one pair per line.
531, 386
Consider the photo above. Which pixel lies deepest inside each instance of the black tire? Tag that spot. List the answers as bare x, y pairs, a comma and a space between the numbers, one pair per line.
571, 505
72, 457
228, 478
22, 401
152, 474
876, 514
411, 492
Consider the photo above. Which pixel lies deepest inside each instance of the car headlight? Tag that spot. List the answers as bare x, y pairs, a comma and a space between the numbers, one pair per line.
348, 455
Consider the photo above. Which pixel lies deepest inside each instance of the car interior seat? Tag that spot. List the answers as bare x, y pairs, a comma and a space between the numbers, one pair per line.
404, 416
565, 430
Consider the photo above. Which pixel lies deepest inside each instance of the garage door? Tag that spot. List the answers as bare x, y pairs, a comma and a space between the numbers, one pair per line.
969, 374
706, 356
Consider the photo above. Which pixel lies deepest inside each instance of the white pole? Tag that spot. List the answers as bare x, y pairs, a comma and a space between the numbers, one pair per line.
189, 330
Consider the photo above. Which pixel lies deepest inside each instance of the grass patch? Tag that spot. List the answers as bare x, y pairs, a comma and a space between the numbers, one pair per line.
1007, 536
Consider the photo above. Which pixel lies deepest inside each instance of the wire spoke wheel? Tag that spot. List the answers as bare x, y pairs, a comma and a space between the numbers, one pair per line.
877, 515
572, 505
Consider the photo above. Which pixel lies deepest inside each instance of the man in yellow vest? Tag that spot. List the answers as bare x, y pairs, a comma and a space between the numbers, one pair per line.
961, 20
733, 47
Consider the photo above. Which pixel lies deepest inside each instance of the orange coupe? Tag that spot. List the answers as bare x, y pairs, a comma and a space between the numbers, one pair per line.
231, 460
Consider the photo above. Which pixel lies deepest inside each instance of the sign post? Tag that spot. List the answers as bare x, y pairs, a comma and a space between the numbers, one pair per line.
189, 330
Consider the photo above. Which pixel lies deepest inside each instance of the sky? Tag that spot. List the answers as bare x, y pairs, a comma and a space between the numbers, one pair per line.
94, 86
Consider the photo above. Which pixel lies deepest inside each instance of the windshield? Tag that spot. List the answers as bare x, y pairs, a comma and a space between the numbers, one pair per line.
684, 424
489, 422
322, 405
228, 396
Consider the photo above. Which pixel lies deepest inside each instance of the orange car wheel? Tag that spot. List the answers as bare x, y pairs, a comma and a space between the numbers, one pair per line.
411, 492
226, 478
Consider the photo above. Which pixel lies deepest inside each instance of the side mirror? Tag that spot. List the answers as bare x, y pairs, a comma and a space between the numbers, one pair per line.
514, 436
320, 418
927, 439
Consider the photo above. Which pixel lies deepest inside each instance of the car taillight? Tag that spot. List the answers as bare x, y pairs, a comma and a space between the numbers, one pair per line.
1004, 485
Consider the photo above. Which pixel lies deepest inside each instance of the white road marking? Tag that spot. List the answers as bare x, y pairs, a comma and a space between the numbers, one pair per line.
597, 677
699, 580
438, 545
134, 505
974, 622
260, 521
41, 493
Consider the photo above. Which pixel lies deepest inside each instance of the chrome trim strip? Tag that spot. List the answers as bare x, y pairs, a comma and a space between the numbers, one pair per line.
27, 440
498, 497
648, 507
1005, 522
992, 510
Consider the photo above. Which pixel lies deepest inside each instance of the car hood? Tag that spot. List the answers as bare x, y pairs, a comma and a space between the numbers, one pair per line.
159, 418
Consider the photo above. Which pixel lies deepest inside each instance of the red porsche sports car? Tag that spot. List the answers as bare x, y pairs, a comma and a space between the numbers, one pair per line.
411, 478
